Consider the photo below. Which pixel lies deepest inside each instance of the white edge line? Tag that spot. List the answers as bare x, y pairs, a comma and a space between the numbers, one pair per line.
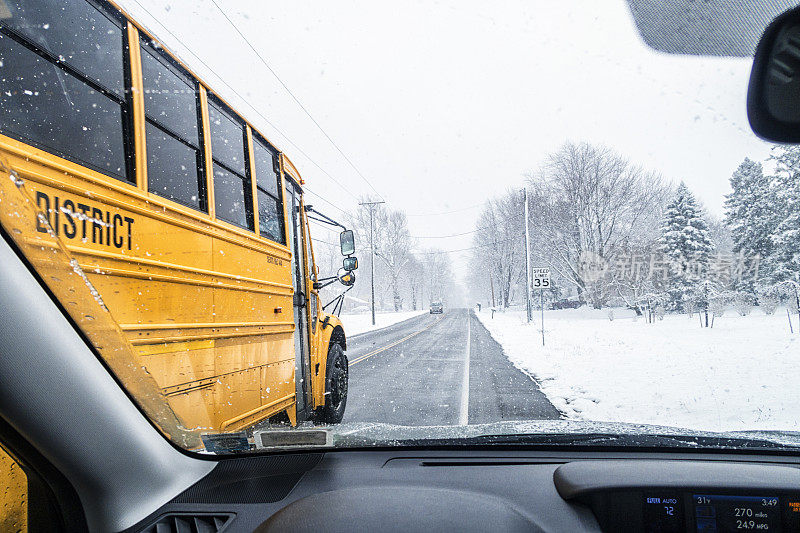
463, 415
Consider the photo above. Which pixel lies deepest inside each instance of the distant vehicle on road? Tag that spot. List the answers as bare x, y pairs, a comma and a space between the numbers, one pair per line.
436, 307
565, 304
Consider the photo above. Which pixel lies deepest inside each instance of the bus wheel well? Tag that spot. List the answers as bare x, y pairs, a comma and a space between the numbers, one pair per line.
337, 337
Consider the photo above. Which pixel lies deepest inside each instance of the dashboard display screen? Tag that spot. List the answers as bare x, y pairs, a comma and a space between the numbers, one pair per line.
721, 513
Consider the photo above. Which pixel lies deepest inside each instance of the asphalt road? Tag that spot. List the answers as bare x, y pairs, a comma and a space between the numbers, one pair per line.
438, 370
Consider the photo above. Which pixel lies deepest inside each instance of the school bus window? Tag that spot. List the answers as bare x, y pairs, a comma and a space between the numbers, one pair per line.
78, 34
267, 178
270, 208
172, 130
270, 217
62, 94
232, 190
227, 138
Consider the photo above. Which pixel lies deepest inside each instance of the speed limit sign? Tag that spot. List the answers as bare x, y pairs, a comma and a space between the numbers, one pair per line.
540, 277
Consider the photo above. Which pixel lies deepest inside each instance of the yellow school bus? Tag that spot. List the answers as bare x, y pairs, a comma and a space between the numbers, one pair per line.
172, 233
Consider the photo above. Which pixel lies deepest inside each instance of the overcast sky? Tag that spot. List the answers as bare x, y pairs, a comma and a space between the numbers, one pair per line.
441, 105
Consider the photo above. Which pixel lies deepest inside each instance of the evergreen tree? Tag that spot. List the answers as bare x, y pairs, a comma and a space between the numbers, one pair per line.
686, 244
784, 263
750, 213
748, 210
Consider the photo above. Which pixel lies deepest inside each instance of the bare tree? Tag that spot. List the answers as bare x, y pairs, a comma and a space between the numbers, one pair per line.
720, 234
393, 244
414, 274
439, 280
588, 203
498, 255
394, 249
633, 279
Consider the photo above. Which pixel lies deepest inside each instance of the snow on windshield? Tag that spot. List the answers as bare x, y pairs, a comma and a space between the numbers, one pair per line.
552, 221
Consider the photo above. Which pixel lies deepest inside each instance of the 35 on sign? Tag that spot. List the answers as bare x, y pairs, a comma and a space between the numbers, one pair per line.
540, 277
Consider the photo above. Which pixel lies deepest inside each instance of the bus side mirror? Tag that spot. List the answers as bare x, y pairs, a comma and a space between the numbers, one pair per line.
773, 94
347, 279
350, 263
347, 242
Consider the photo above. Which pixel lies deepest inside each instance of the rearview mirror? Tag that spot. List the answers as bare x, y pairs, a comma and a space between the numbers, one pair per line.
773, 95
711, 28
347, 242
347, 279
350, 263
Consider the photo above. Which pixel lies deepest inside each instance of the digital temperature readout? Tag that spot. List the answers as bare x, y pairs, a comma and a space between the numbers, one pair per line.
721, 513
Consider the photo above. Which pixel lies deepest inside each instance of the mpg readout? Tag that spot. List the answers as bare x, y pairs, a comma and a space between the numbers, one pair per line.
721, 513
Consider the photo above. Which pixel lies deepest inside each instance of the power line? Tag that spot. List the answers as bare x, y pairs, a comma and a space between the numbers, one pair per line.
445, 212
306, 189
306, 111
466, 232
447, 236
463, 249
246, 102
324, 227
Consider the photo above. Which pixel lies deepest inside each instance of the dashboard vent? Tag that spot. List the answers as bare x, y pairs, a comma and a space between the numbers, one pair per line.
189, 523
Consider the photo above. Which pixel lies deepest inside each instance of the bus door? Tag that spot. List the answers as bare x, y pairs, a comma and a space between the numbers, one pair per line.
301, 337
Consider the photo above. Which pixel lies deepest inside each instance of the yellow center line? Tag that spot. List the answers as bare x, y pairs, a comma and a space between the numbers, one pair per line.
383, 349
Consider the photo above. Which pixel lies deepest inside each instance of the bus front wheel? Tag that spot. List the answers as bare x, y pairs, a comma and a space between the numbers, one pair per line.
336, 377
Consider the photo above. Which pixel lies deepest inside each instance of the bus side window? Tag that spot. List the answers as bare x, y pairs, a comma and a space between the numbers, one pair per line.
13, 495
232, 189
270, 206
172, 129
63, 86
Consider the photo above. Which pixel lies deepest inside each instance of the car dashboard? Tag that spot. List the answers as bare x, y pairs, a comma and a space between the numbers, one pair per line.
481, 490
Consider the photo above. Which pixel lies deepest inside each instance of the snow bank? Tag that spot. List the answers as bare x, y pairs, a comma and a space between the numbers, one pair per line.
361, 323
744, 374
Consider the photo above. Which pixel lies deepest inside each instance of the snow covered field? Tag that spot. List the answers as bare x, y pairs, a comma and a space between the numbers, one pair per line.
743, 374
361, 323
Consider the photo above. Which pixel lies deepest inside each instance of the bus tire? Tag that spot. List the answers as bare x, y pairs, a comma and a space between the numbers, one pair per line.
336, 382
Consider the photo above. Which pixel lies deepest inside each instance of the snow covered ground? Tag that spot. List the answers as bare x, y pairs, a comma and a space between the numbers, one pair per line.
744, 374
361, 323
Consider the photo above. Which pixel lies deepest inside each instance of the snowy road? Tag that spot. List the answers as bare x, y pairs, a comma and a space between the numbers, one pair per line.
438, 370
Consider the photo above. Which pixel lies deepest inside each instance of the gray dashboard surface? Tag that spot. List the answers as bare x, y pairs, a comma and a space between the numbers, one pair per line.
513, 494
474, 490
399, 508
581, 478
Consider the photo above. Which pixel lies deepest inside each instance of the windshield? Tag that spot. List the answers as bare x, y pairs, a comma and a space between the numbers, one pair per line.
317, 225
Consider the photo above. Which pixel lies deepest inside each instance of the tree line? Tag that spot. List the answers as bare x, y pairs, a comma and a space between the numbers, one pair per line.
614, 233
407, 277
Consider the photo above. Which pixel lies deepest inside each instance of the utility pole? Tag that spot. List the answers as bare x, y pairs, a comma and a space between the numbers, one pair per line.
371, 206
528, 305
